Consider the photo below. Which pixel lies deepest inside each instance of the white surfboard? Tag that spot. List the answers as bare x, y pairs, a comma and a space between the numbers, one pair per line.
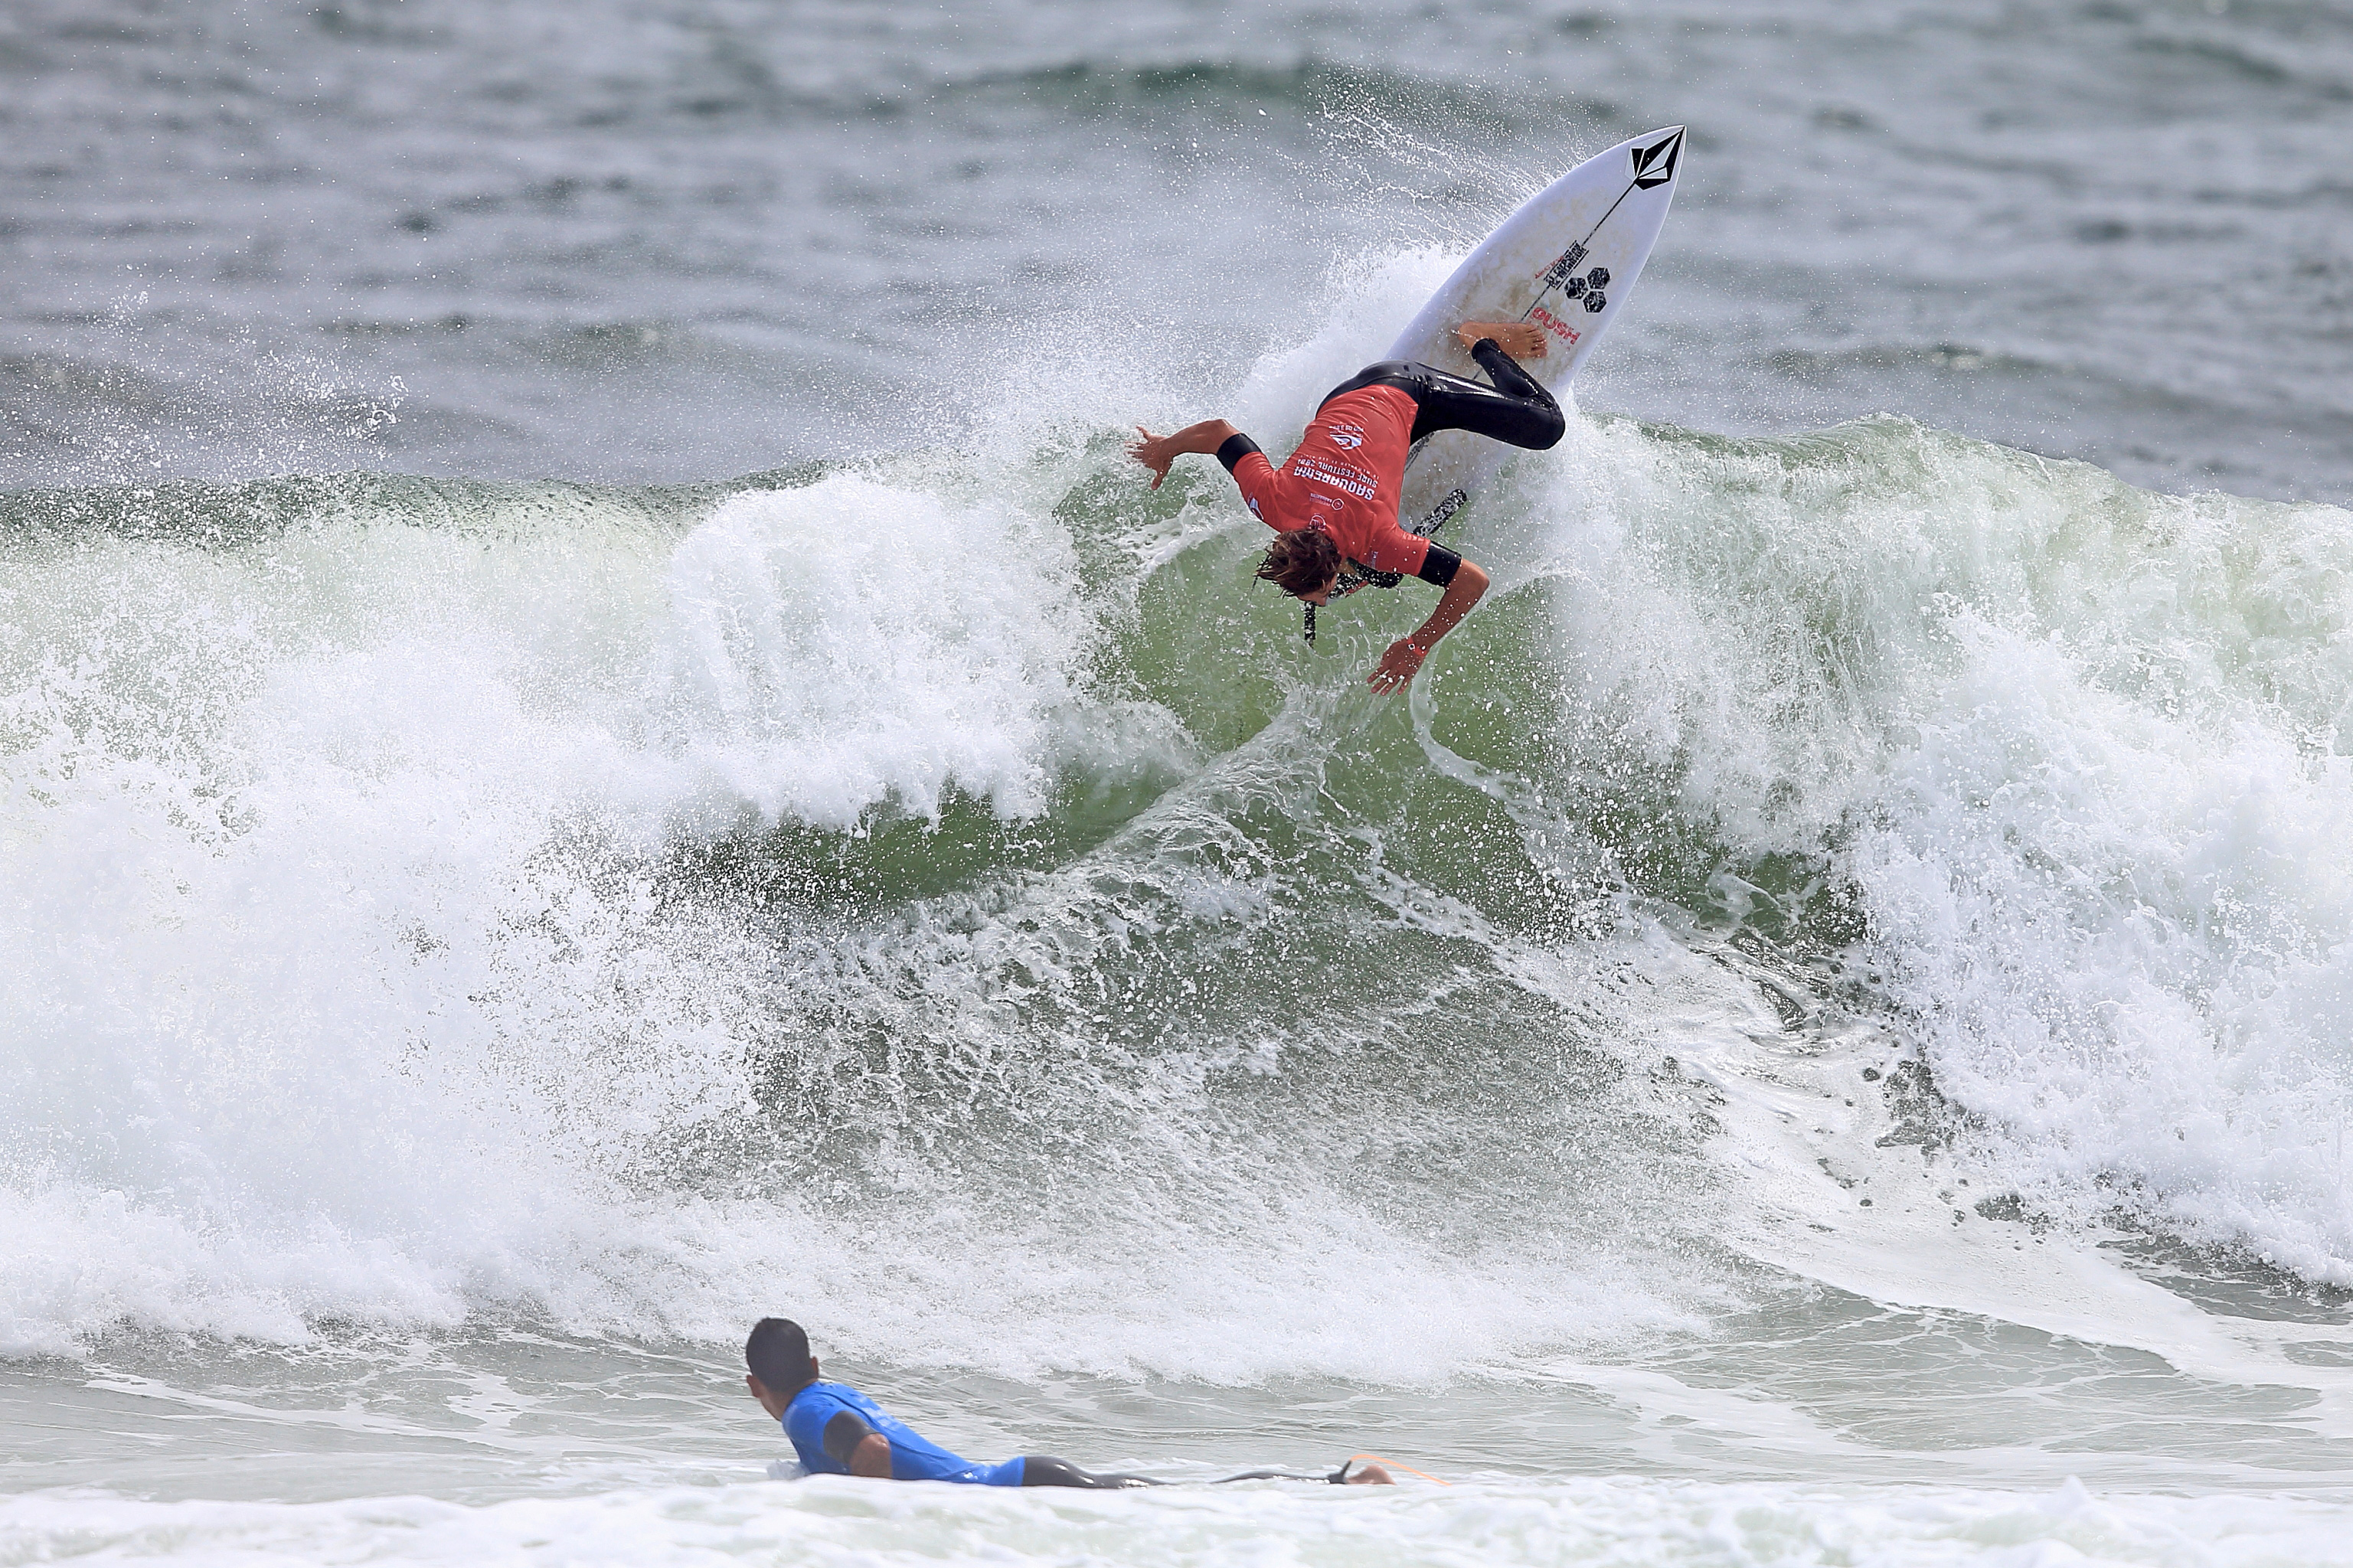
1565, 260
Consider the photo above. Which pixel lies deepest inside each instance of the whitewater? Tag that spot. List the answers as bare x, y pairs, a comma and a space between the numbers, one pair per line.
1818, 1031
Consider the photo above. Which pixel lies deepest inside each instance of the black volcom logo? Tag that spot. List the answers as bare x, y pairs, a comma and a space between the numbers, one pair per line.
1656, 164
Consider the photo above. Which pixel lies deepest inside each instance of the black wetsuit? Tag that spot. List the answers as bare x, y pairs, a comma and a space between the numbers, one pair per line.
1038, 1470
1516, 410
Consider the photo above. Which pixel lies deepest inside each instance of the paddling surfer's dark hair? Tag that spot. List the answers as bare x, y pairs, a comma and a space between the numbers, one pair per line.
1300, 561
778, 1354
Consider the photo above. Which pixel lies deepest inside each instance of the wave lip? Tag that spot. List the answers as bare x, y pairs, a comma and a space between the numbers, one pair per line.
835, 647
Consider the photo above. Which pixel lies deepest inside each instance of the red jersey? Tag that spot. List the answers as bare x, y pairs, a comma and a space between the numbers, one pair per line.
1345, 478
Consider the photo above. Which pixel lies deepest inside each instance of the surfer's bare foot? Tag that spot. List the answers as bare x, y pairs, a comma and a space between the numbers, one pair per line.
1521, 340
1373, 1474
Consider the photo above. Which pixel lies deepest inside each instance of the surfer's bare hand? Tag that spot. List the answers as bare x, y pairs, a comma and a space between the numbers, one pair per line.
1521, 340
1154, 453
1397, 666
1404, 655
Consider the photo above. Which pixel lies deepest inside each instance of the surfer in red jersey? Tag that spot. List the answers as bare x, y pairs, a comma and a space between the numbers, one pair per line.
1334, 502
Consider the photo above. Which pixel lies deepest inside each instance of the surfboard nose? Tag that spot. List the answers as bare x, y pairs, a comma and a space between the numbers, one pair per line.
1655, 157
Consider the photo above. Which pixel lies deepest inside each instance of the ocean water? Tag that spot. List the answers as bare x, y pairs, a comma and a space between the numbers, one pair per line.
596, 740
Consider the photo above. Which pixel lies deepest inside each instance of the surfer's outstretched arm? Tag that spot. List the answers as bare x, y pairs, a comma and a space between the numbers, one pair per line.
1156, 452
1404, 655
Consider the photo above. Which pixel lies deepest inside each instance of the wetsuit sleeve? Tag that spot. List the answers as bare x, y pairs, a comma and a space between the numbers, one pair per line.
1439, 565
843, 1434
1234, 448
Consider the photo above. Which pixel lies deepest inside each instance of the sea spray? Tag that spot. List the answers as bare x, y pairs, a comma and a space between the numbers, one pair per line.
2069, 751
377, 852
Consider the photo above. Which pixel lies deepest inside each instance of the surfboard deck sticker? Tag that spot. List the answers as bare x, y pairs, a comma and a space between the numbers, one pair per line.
1565, 260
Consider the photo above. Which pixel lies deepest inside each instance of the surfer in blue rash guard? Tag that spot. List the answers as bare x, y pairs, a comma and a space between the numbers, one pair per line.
837, 1431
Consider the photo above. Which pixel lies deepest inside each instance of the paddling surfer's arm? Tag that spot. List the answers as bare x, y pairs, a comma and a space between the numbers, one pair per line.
856, 1446
1156, 452
1404, 655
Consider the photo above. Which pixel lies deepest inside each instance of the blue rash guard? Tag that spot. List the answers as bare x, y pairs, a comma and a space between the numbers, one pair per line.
912, 1458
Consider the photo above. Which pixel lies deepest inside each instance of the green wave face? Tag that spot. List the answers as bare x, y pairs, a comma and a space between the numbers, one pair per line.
950, 881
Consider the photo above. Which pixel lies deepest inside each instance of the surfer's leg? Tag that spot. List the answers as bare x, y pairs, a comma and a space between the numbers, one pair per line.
1509, 378
1517, 409
1038, 1470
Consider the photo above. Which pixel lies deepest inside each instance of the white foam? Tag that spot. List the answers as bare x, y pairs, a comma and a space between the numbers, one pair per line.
351, 992
2071, 744
837, 646
333, 985
834, 1520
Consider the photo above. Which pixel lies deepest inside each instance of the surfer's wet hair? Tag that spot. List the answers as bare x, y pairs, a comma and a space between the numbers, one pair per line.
1300, 561
777, 1354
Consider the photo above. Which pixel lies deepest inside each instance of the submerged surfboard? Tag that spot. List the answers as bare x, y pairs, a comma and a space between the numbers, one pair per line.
1565, 260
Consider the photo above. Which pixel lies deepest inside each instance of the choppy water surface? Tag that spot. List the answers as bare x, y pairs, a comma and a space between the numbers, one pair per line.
599, 742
